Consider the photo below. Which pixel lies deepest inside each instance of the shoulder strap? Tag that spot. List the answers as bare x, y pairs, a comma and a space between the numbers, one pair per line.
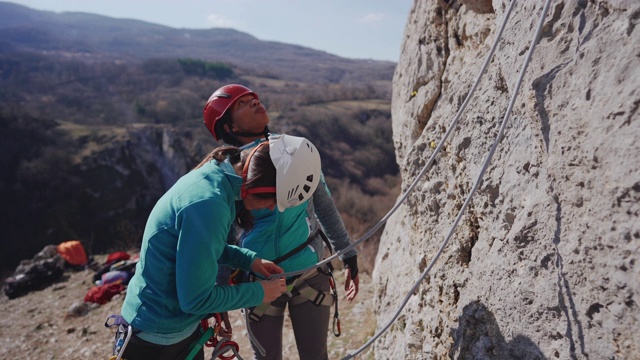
299, 248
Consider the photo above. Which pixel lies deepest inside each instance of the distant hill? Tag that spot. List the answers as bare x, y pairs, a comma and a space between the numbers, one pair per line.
89, 36
99, 116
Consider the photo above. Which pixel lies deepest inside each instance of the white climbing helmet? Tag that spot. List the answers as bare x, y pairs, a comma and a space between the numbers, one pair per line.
297, 164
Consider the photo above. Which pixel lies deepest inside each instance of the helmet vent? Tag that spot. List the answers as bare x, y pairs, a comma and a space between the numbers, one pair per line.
292, 192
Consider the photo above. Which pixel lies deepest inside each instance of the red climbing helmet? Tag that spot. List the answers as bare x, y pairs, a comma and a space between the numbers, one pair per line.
220, 101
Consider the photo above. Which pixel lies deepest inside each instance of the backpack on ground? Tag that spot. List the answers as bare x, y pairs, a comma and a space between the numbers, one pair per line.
38, 273
73, 253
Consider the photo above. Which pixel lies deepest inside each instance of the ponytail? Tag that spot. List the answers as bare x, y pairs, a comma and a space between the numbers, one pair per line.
221, 154
261, 173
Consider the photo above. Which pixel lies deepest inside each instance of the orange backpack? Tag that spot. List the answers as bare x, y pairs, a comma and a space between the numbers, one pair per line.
73, 252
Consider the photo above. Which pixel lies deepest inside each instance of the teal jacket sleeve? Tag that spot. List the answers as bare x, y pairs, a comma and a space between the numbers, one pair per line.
202, 233
237, 257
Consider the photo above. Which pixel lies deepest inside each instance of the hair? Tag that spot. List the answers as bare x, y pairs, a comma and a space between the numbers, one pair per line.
225, 135
261, 173
220, 154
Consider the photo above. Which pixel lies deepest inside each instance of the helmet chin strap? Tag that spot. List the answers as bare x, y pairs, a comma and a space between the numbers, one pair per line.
264, 132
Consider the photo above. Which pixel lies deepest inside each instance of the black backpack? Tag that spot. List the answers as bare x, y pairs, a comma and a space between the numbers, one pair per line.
34, 274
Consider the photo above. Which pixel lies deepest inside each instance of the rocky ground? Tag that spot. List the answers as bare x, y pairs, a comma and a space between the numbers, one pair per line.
41, 325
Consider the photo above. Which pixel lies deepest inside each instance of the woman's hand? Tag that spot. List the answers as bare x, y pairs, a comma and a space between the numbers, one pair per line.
351, 286
273, 289
225, 330
352, 282
265, 268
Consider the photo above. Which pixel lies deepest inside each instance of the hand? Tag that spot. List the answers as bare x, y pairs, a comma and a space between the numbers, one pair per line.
225, 329
351, 286
265, 268
273, 289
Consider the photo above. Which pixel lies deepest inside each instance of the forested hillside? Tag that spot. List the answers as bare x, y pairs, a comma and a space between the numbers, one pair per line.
91, 138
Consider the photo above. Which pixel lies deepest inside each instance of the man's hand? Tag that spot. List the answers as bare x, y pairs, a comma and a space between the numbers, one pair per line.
265, 268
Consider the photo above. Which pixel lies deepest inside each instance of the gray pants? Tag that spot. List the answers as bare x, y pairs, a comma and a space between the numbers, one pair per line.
310, 326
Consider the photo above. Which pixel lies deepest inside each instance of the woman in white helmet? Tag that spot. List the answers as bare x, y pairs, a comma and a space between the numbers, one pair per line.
174, 285
293, 239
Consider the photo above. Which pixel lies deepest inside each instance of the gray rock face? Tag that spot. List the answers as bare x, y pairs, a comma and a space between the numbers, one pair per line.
544, 263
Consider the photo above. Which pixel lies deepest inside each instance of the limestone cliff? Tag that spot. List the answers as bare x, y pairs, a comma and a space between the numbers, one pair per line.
544, 261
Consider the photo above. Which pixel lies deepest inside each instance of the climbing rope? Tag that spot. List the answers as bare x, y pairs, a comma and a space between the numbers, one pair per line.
252, 337
426, 167
475, 186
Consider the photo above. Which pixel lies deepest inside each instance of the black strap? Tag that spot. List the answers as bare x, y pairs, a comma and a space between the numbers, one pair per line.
264, 132
296, 250
299, 248
326, 240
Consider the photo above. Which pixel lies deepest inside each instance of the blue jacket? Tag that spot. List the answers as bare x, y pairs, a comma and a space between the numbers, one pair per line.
276, 233
185, 238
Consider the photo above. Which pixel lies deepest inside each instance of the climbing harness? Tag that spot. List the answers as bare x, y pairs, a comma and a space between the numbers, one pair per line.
211, 337
479, 177
299, 291
122, 337
256, 313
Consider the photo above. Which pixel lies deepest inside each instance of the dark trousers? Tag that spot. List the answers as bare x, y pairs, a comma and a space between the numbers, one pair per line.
310, 327
139, 349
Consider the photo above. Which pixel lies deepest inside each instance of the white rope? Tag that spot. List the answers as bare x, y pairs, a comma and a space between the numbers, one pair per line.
252, 337
413, 185
473, 190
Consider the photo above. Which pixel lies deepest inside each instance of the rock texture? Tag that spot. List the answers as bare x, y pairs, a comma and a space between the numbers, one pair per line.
543, 264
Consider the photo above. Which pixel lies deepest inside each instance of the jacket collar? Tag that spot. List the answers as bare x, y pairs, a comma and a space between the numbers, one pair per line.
230, 174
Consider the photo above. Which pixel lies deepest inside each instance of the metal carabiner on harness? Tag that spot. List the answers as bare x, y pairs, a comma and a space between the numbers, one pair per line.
122, 337
209, 338
336, 315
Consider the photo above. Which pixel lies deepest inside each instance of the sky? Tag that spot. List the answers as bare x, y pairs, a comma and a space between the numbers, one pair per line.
360, 29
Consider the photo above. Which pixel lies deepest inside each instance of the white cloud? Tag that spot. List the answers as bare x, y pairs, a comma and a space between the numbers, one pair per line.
372, 18
219, 21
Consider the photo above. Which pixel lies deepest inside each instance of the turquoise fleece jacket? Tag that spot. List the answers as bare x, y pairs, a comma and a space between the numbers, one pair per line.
185, 238
276, 233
